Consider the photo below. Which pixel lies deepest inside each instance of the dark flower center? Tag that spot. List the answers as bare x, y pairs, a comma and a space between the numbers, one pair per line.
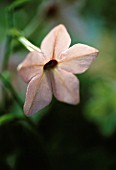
50, 64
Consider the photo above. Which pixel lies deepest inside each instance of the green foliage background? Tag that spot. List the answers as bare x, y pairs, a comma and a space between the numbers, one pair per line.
60, 136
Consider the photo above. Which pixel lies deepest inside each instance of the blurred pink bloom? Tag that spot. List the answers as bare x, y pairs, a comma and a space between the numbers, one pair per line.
50, 70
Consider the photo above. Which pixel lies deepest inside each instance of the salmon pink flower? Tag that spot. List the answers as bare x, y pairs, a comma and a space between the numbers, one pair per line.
49, 70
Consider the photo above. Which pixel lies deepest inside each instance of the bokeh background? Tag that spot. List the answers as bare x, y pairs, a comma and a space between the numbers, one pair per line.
61, 136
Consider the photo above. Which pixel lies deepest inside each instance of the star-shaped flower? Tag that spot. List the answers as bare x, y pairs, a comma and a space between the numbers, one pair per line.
49, 70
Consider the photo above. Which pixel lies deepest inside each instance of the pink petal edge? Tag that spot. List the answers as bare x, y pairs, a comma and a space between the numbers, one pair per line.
38, 95
78, 58
31, 66
65, 86
56, 41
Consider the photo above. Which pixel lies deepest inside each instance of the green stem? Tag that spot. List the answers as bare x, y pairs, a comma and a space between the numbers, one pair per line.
8, 85
34, 24
10, 23
28, 44
7, 51
18, 35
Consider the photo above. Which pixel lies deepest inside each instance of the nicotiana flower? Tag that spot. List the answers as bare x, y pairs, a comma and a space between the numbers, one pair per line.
49, 70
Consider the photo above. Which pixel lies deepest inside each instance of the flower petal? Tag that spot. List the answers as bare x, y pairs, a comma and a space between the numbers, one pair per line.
55, 42
78, 58
31, 66
65, 86
39, 94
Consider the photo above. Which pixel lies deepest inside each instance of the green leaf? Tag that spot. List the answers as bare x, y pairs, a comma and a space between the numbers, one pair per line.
101, 108
17, 4
7, 118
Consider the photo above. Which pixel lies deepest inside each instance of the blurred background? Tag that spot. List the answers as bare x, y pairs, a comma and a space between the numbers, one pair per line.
61, 136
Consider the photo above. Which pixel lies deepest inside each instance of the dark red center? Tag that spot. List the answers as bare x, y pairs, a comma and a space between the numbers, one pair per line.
50, 64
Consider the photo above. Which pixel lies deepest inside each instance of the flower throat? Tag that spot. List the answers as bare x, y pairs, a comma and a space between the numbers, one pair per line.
50, 64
